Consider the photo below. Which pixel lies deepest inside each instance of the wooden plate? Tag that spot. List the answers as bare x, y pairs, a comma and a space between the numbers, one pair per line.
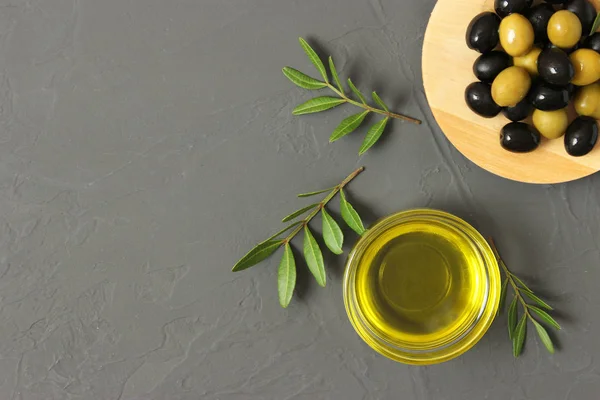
448, 70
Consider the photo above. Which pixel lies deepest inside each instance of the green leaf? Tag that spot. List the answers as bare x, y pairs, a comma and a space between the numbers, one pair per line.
596, 25
318, 104
521, 283
356, 91
512, 317
309, 194
519, 336
259, 253
503, 295
286, 276
314, 257
536, 299
299, 212
332, 234
544, 337
373, 135
335, 75
314, 58
544, 316
287, 228
378, 100
302, 80
348, 125
350, 215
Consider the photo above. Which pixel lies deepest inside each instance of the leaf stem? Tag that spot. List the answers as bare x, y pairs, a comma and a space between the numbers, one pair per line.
372, 109
510, 278
322, 204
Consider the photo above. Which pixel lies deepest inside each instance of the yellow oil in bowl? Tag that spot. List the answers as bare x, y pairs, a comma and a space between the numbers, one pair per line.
421, 286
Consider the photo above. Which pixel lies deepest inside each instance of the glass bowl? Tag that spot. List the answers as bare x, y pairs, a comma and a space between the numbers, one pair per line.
430, 303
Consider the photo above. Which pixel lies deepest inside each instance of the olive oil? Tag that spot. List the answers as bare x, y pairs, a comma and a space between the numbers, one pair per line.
421, 284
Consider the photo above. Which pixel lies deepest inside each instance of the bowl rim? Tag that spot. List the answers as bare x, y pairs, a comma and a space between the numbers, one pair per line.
459, 342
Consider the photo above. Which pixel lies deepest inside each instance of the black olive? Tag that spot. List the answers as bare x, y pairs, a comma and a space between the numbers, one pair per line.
581, 136
555, 67
505, 7
482, 33
519, 137
585, 11
592, 42
518, 112
546, 97
550, 45
478, 96
489, 65
539, 17
571, 90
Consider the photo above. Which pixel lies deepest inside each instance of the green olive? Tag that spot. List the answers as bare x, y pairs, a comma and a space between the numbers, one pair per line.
516, 35
529, 61
564, 29
587, 66
587, 101
551, 124
511, 86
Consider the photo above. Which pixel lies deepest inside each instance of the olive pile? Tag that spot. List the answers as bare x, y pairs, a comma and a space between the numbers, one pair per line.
534, 60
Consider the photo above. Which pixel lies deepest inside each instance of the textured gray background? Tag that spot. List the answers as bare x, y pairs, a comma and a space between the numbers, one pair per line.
145, 145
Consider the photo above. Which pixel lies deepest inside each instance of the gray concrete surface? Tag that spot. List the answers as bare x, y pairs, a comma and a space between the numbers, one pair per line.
145, 145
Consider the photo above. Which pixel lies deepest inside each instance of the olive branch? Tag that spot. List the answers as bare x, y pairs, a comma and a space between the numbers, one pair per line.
323, 103
534, 313
332, 236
